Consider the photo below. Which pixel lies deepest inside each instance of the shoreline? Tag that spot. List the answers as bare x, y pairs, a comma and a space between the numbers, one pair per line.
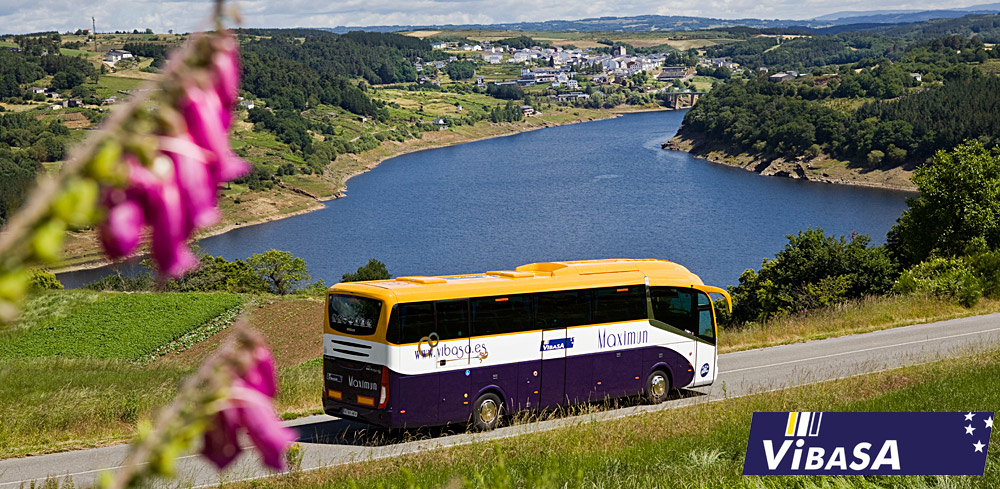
406, 147
793, 169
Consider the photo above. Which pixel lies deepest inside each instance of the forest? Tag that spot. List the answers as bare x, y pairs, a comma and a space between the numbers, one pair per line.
898, 117
846, 44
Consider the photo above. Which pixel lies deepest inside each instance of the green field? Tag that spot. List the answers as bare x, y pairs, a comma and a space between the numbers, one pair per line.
702, 446
119, 326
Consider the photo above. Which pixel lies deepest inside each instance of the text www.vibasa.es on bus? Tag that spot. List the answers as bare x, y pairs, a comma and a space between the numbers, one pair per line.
455, 352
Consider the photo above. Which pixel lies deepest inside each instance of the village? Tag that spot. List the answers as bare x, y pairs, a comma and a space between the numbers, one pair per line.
564, 69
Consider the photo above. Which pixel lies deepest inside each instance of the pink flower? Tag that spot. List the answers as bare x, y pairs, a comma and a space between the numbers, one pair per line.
194, 180
177, 194
121, 232
207, 122
226, 71
250, 407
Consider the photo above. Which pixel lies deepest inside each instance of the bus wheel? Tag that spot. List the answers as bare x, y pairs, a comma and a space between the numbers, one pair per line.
486, 412
657, 386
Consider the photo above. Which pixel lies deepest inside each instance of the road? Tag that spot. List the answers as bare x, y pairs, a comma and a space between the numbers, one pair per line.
330, 441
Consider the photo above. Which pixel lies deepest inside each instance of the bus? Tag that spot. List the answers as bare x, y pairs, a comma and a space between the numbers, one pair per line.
422, 351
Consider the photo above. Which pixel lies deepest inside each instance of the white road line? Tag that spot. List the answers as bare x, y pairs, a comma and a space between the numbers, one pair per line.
859, 351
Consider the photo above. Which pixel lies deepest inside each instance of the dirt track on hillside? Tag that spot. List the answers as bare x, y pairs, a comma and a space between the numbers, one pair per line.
293, 328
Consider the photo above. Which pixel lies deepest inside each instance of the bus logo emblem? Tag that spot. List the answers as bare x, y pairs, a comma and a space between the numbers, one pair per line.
558, 344
704, 370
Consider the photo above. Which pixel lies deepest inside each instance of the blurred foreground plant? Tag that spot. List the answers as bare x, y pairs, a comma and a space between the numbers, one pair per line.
156, 162
232, 391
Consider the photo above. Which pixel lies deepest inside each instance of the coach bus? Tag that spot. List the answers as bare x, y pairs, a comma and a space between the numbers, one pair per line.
421, 351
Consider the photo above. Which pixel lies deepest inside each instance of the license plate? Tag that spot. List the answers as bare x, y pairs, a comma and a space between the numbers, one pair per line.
349, 412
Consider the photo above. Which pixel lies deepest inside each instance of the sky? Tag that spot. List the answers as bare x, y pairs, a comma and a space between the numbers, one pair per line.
22, 16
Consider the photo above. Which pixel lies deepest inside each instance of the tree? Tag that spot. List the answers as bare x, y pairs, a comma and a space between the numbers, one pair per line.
959, 202
282, 271
65, 80
812, 270
373, 270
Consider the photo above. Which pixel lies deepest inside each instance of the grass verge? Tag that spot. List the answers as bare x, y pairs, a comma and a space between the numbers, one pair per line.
860, 316
698, 446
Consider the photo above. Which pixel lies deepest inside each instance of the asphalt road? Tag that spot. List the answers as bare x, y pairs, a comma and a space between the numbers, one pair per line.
331, 441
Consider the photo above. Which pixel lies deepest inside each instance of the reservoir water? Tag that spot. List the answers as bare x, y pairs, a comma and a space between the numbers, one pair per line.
594, 190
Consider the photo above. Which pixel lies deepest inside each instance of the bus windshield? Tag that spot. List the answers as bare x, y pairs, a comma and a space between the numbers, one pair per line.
354, 315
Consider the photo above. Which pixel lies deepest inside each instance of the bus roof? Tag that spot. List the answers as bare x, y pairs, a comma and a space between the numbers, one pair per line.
533, 277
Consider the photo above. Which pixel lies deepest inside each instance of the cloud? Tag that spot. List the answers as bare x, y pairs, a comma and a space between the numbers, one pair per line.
20, 16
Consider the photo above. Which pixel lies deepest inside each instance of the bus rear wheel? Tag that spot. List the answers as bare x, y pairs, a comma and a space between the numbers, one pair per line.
657, 386
486, 412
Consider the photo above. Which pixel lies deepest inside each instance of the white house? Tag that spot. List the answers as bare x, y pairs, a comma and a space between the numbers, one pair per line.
116, 55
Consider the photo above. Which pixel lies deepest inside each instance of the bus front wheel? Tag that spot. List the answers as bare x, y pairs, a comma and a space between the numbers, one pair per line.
657, 386
486, 412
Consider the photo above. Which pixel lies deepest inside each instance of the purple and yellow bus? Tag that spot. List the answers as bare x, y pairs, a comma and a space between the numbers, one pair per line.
423, 351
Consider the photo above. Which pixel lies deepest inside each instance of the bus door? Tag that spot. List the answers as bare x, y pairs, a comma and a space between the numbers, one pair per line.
705, 352
554, 313
451, 359
553, 352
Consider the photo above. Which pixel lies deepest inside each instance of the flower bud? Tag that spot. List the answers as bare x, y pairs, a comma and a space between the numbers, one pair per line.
77, 202
48, 241
122, 231
106, 165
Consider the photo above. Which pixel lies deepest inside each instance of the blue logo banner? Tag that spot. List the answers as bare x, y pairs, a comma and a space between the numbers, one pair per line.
868, 443
557, 344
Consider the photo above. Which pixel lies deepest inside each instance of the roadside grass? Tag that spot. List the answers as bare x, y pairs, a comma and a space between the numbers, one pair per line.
56, 404
53, 404
860, 316
124, 326
698, 446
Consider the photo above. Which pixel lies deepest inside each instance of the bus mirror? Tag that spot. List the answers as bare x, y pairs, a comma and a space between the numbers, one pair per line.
708, 289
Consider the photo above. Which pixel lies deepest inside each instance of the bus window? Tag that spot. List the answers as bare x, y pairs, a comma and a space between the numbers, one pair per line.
675, 307
706, 328
499, 315
617, 304
354, 315
555, 310
416, 320
452, 319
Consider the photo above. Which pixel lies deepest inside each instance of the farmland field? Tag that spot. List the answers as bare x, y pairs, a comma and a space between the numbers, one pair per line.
122, 326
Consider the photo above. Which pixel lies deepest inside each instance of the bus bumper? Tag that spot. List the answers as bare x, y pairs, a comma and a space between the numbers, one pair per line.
353, 412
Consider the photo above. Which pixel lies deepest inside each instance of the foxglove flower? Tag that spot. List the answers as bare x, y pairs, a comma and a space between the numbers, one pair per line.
194, 179
208, 120
250, 407
122, 230
226, 71
177, 194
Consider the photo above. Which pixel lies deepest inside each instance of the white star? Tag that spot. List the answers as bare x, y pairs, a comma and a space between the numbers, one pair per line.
969, 429
968, 417
979, 446
989, 422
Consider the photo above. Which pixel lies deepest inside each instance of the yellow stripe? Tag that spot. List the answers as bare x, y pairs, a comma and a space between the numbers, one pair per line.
792, 417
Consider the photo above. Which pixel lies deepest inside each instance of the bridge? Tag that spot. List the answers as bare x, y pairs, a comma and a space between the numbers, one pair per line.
681, 100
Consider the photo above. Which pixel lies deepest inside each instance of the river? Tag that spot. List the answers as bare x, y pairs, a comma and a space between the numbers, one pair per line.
593, 190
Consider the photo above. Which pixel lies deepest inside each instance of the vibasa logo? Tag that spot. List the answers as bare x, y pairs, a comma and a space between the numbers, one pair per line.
832, 443
807, 424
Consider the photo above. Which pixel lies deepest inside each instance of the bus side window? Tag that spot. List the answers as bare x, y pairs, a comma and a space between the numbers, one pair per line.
706, 328
416, 320
617, 304
452, 319
499, 315
675, 306
555, 310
